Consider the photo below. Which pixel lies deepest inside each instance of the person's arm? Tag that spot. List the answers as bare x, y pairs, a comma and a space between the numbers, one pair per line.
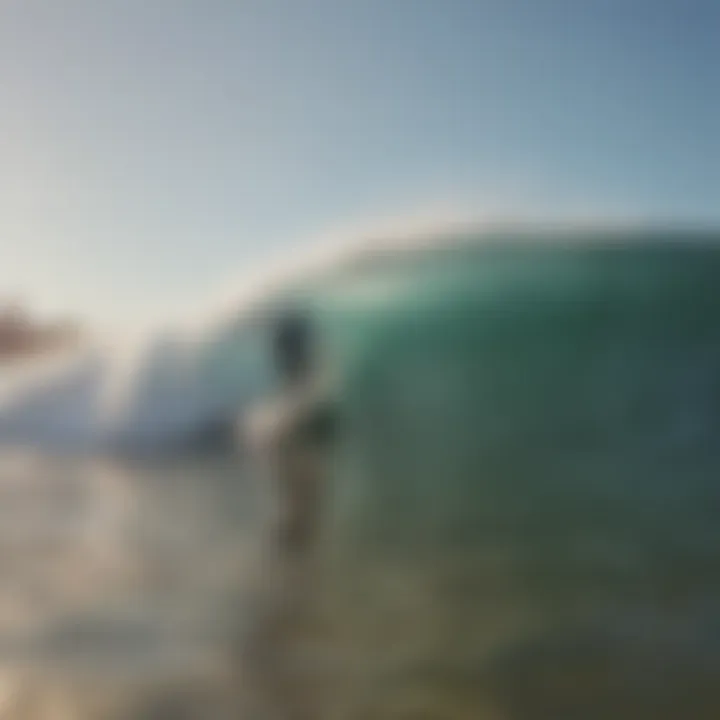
310, 417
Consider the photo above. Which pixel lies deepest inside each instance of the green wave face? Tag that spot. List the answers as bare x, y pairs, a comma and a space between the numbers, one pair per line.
523, 519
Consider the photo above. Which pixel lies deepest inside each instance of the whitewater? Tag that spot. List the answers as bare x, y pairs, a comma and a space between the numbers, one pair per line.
158, 389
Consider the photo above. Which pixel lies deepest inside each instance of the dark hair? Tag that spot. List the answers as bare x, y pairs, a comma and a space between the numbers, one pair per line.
292, 346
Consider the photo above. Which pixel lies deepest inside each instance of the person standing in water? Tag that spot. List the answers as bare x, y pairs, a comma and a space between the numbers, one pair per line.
289, 439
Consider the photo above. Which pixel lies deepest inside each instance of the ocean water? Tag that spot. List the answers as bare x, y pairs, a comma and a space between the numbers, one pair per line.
524, 521
519, 521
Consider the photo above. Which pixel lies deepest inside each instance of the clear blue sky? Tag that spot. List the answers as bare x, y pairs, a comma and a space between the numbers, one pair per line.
149, 149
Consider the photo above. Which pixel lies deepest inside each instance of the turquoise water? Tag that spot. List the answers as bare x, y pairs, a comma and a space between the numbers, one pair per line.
525, 510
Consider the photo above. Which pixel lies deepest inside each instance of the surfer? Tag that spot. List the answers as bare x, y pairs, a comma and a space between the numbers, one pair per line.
289, 438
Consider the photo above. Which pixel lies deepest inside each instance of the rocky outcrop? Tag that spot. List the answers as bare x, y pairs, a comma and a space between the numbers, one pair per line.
22, 337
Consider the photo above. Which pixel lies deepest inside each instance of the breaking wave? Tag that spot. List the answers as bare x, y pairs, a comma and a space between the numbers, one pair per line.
169, 387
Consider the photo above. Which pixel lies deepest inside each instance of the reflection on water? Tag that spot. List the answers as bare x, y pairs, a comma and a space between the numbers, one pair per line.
122, 585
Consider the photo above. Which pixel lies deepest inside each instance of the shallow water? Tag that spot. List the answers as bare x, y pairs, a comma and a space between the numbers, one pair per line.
124, 585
